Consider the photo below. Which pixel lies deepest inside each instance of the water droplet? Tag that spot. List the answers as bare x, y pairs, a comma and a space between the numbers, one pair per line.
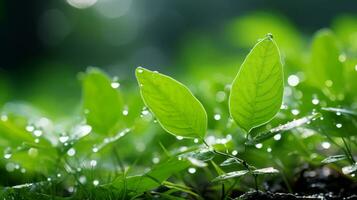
49, 179
269, 150
95, 182
195, 140
325, 145
295, 111
220, 96
93, 163
155, 160
95, 149
259, 145
4, 118
37, 133
59, 175
293, 80
191, 170
217, 117
284, 106
10, 167
23, 170
115, 85
33, 152
339, 125
85, 130
179, 137
328, 83
140, 71
82, 179
277, 137
315, 101
7, 155
71, 152
70, 189
63, 138
342, 57
355, 67
145, 112
338, 113
234, 152
125, 112
30, 128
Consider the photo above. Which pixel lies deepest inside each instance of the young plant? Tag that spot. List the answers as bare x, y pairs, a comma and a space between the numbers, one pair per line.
256, 97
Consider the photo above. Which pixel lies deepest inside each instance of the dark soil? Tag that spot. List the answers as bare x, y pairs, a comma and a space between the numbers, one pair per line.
320, 184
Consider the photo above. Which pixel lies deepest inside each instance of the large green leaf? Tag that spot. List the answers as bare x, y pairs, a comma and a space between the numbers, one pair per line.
174, 106
102, 103
326, 70
257, 91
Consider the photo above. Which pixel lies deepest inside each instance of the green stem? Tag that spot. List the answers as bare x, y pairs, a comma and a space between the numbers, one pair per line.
238, 160
348, 151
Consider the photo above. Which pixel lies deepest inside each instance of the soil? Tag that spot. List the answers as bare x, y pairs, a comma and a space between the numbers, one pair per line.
320, 184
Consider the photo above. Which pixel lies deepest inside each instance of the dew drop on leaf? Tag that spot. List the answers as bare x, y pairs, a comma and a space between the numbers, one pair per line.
71, 152
277, 137
37, 133
293, 80
325, 145
4, 118
115, 85
95, 182
295, 111
191, 170
63, 138
217, 117
30, 128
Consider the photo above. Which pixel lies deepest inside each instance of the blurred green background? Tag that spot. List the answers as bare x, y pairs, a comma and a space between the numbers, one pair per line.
44, 44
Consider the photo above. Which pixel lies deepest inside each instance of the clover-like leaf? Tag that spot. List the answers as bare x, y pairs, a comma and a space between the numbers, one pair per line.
172, 103
257, 91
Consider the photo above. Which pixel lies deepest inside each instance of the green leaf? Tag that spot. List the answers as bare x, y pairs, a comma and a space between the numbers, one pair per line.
230, 175
268, 170
340, 111
230, 161
257, 91
102, 103
172, 103
326, 70
335, 158
283, 128
152, 179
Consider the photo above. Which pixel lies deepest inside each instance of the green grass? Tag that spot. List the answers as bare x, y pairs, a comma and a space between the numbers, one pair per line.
231, 129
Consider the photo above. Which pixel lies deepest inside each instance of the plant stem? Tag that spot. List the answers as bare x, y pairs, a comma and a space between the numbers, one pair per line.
238, 160
348, 150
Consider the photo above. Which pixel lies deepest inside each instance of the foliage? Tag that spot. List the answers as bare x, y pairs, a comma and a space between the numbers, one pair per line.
283, 109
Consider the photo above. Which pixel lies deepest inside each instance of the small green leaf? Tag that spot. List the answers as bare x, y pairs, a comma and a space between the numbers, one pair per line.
150, 180
203, 154
257, 91
230, 175
282, 128
102, 103
230, 161
335, 158
340, 111
172, 103
268, 170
